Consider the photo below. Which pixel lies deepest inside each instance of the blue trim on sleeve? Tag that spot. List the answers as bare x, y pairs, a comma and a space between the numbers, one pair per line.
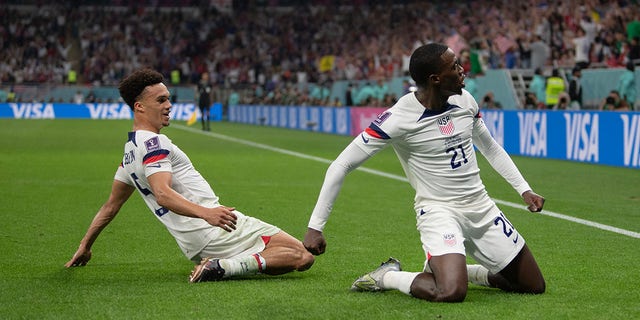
378, 132
154, 156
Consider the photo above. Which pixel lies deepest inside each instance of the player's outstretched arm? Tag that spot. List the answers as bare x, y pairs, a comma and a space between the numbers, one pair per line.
120, 193
349, 159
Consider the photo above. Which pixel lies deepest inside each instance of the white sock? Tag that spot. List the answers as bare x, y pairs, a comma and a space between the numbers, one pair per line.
399, 280
478, 275
248, 265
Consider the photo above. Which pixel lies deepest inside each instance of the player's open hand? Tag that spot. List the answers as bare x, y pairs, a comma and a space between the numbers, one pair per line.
314, 241
80, 258
534, 201
222, 217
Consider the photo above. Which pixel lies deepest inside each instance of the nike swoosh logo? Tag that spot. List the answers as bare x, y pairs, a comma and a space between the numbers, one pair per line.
422, 211
363, 138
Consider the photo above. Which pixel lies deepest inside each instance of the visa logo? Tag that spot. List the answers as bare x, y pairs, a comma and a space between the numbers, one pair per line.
109, 110
582, 136
631, 139
32, 110
533, 133
183, 111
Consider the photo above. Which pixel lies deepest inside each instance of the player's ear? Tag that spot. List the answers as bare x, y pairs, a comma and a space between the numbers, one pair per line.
137, 106
434, 78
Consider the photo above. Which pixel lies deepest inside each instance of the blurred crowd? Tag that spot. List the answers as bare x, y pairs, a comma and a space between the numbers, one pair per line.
278, 49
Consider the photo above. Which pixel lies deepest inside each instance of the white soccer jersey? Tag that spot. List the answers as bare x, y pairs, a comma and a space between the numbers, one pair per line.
146, 153
436, 151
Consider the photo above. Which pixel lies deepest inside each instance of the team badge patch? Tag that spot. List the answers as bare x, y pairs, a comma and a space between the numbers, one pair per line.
445, 124
449, 239
152, 144
382, 118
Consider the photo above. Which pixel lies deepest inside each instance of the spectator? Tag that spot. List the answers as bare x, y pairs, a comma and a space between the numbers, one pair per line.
349, 95
524, 52
476, 54
91, 97
510, 58
336, 102
588, 25
634, 50
489, 102
530, 101
613, 102
538, 87
465, 61
575, 89
540, 52
78, 97
582, 46
11, 96
72, 77
554, 86
381, 89
366, 95
234, 98
633, 26
563, 102
627, 84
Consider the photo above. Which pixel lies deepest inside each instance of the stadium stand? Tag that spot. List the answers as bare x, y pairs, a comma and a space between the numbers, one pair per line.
278, 51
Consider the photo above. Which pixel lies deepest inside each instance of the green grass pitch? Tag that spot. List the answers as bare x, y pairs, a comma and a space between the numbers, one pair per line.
56, 173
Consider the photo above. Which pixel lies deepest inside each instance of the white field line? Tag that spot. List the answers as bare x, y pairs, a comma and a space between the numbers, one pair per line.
404, 179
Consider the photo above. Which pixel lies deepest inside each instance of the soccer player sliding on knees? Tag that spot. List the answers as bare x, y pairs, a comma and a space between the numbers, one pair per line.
433, 132
221, 241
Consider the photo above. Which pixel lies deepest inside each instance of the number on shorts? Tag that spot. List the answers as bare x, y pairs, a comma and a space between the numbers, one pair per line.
507, 227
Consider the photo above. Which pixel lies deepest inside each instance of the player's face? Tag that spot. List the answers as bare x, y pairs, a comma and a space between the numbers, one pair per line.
451, 74
156, 105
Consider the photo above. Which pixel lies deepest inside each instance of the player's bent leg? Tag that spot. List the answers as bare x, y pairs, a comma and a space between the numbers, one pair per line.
521, 275
446, 283
284, 254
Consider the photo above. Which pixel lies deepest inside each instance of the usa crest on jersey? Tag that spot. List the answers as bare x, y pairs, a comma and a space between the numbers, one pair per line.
445, 124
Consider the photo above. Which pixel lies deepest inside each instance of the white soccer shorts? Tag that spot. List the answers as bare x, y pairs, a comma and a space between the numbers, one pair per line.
246, 239
480, 230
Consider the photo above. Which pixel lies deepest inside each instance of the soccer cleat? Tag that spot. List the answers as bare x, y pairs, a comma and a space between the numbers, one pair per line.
372, 281
208, 270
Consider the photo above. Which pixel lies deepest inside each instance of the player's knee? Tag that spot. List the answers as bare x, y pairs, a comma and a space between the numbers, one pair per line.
457, 294
428, 290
